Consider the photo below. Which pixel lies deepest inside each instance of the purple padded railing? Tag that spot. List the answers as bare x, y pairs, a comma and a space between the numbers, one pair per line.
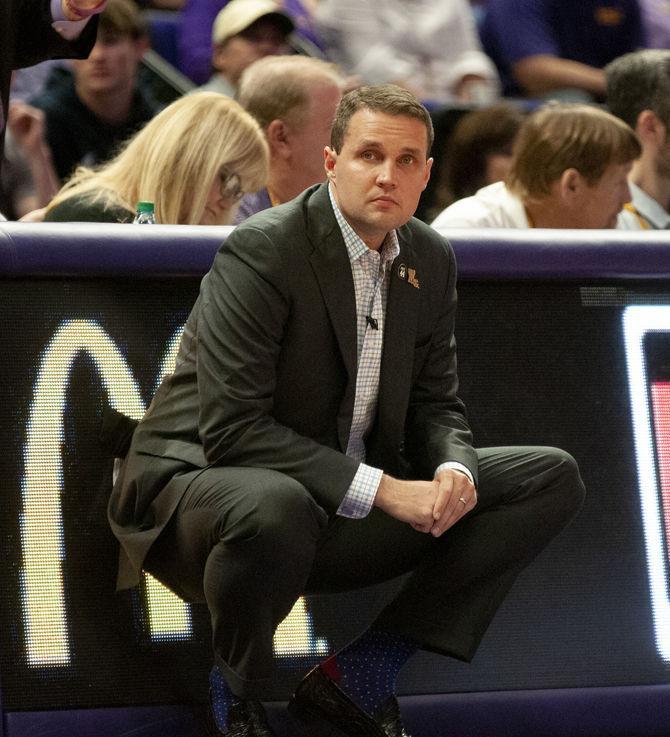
84, 249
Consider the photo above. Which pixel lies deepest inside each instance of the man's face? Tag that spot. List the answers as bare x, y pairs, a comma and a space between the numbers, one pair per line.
601, 202
380, 172
111, 66
262, 38
310, 133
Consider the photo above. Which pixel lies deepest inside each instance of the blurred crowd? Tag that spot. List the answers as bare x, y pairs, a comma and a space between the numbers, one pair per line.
497, 75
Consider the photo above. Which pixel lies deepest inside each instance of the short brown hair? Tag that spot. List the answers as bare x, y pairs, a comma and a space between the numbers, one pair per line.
561, 136
122, 18
384, 98
274, 87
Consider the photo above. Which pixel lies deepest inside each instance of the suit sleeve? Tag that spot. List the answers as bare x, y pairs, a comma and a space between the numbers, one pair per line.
37, 40
245, 308
437, 429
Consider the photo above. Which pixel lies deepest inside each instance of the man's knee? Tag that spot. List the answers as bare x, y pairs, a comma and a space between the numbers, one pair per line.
565, 476
283, 519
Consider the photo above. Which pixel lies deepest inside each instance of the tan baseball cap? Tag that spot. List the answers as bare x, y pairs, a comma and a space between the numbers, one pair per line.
238, 15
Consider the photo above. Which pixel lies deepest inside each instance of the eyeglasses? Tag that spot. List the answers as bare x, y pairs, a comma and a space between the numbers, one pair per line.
230, 185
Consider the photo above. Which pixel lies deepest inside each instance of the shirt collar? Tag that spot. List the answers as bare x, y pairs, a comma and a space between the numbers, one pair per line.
649, 208
356, 247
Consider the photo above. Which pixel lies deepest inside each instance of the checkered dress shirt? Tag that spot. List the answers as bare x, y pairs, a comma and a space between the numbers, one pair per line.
371, 272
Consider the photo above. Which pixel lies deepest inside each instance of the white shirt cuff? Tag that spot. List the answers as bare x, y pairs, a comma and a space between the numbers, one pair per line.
68, 29
456, 466
360, 496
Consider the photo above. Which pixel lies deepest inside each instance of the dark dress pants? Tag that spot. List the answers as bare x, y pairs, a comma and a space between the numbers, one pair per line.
249, 542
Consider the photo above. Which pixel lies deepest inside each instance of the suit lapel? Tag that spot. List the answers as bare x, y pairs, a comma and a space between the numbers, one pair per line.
402, 311
332, 268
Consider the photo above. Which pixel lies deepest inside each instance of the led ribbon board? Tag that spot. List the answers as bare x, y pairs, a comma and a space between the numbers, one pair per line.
44, 610
650, 409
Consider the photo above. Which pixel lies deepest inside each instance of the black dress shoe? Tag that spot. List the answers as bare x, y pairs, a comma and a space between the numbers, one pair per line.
389, 719
319, 699
246, 718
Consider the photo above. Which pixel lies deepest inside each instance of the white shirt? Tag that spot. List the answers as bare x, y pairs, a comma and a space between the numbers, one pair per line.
430, 45
642, 213
493, 206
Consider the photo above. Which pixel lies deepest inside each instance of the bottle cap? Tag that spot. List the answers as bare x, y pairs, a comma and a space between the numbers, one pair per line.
145, 206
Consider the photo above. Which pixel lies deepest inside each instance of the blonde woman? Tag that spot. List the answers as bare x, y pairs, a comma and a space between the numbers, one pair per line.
194, 161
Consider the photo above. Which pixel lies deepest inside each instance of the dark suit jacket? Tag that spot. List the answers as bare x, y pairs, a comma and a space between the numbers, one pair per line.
266, 371
28, 38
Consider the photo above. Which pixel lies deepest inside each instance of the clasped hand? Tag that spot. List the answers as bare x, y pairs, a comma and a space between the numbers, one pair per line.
428, 506
79, 9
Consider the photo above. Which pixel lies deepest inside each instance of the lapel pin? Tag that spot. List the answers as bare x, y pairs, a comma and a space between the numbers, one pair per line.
402, 272
412, 278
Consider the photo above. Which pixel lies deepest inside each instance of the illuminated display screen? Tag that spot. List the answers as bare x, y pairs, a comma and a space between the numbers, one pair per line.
584, 367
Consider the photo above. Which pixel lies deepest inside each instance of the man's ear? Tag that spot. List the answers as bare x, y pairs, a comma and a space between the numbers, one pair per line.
219, 58
329, 162
571, 185
142, 45
429, 166
277, 134
650, 128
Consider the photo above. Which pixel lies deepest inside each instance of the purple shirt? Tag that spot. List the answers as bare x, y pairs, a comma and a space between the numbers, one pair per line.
252, 203
592, 32
195, 34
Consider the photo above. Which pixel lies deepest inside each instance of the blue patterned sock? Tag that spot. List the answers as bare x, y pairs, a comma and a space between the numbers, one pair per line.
221, 696
366, 670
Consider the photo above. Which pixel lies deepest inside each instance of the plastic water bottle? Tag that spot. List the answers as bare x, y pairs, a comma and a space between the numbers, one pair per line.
144, 214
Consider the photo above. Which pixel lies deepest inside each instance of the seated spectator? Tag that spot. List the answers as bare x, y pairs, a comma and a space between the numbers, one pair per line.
90, 112
244, 31
478, 152
27, 179
431, 48
558, 48
195, 34
638, 92
569, 170
293, 98
194, 160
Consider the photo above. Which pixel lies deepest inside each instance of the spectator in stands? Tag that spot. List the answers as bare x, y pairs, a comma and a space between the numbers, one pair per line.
431, 48
569, 170
638, 92
34, 30
27, 179
478, 152
197, 21
195, 34
293, 98
194, 160
558, 48
245, 31
94, 110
